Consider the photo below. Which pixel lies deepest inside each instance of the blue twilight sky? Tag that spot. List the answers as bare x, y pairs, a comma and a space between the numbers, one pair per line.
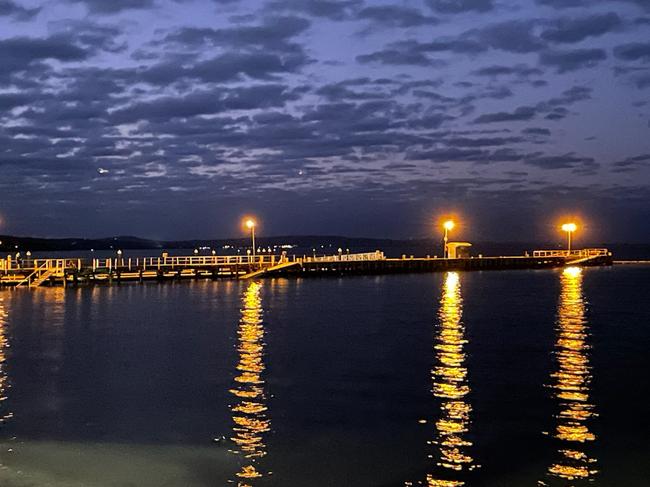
173, 118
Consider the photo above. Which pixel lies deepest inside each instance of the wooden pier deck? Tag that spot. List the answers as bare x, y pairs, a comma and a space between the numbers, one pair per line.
72, 272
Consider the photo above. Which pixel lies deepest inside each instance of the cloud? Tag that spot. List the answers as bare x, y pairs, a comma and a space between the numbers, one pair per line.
575, 30
520, 114
568, 97
330, 9
107, 7
396, 16
515, 36
632, 163
9, 8
512, 36
272, 33
561, 4
642, 82
635, 51
204, 103
12, 100
19, 52
416, 53
460, 6
536, 131
572, 60
481, 141
342, 90
230, 66
256, 65
519, 70
396, 57
565, 161
90, 35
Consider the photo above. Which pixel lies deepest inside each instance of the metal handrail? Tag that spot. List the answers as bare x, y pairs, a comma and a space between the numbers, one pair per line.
572, 253
169, 263
368, 256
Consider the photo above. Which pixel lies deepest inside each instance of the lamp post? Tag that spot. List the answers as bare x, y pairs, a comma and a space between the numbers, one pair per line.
569, 228
250, 224
448, 226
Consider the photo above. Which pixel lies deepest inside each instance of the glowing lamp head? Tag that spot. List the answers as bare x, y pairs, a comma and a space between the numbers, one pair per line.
569, 227
250, 223
449, 225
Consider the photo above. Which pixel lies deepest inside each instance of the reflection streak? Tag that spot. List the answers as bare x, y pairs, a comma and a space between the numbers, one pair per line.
4, 380
249, 413
451, 386
572, 382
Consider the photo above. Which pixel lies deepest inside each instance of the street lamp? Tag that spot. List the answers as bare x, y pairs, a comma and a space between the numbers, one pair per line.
448, 226
250, 224
569, 228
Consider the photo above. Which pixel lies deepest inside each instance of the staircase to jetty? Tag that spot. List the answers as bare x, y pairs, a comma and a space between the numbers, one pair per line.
584, 260
43, 272
284, 265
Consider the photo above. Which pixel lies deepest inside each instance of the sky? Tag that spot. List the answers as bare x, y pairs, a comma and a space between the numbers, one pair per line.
173, 119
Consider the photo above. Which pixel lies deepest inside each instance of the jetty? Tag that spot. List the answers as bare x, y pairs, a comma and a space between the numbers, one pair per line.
73, 272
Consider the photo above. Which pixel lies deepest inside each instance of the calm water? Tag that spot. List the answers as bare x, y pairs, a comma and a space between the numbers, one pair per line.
476, 379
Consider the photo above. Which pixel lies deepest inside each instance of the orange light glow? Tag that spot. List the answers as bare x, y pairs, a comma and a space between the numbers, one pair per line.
449, 225
569, 227
250, 223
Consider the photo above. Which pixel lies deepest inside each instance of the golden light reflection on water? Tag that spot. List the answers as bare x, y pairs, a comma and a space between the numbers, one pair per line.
249, 414
451, 386
4, 380
571, 384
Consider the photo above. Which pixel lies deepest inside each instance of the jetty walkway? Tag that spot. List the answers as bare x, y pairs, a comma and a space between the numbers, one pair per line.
72, 272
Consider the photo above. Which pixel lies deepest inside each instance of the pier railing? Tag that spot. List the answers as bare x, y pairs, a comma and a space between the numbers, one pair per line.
184, 261
573, 253
181, 262
60, 264
368, 256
